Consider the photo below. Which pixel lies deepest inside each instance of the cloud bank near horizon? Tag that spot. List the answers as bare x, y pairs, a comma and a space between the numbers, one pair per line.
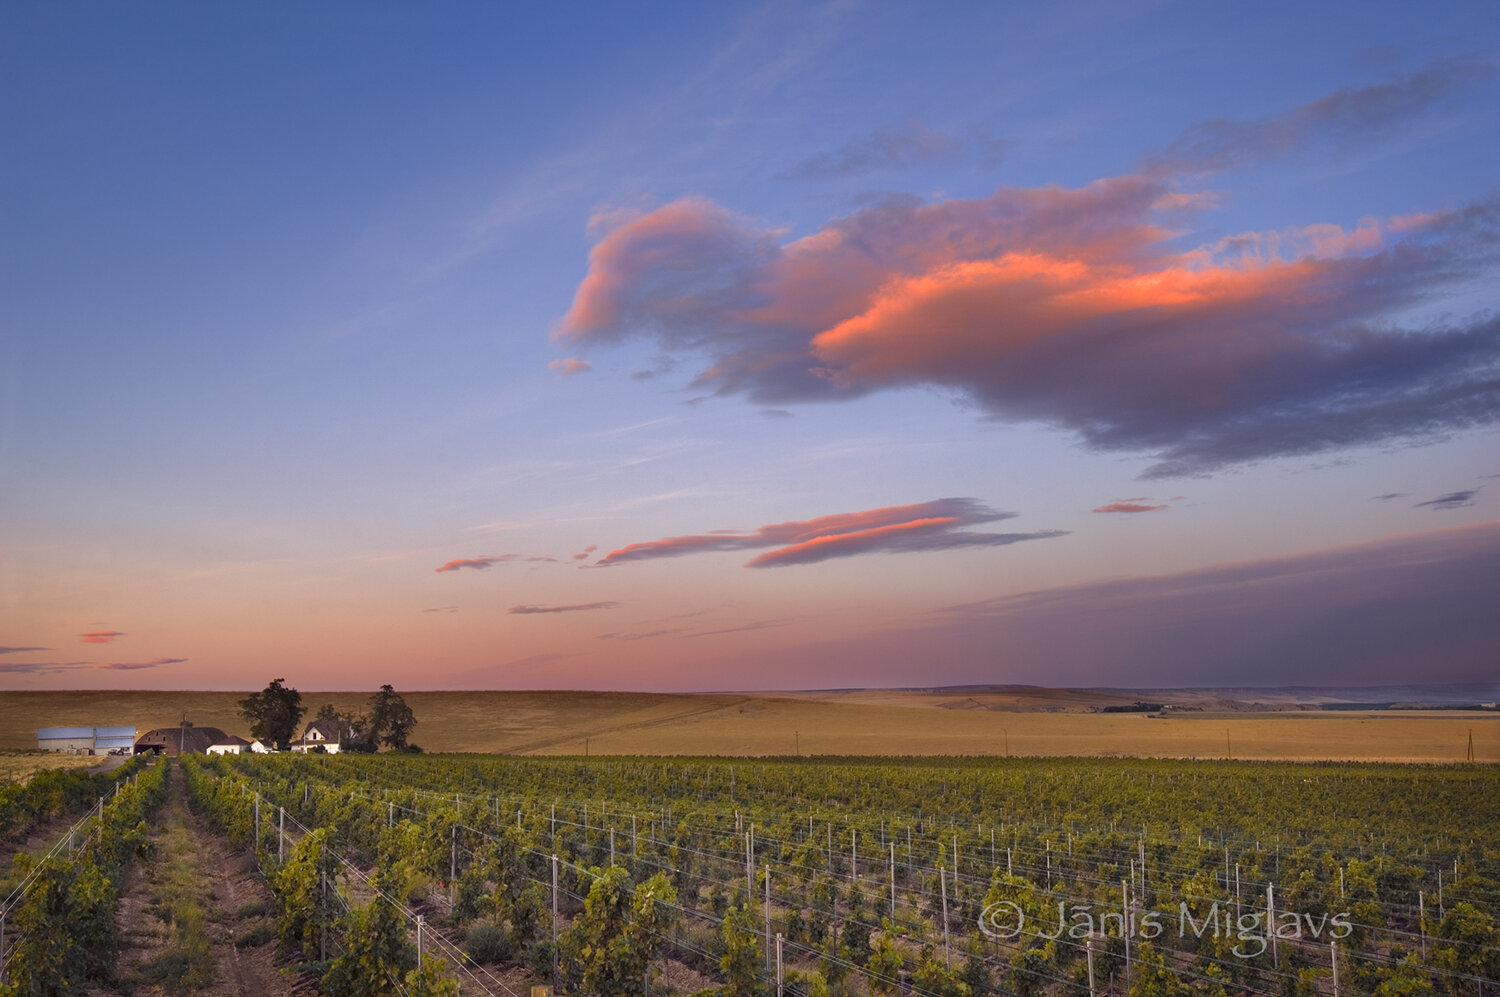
1367, 613
936, 525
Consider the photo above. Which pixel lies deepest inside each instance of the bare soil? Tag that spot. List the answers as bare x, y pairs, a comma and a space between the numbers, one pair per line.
237, 907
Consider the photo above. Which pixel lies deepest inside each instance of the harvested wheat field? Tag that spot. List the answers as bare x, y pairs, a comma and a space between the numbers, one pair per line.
854, 723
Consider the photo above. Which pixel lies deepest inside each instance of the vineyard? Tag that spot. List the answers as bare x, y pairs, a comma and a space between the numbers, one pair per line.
396, 874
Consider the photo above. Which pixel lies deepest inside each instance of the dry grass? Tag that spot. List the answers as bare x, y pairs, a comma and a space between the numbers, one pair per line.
856, 723
20, 766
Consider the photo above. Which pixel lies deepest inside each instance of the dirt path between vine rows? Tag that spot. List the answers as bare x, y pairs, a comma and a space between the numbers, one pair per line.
194, 916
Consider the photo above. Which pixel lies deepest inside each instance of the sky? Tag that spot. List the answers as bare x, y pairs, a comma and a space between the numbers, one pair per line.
667, 346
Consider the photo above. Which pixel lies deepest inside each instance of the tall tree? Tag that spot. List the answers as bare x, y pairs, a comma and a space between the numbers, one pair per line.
391, 720
274, 713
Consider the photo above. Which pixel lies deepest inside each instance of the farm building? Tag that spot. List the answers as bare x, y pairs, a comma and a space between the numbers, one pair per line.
319, 734
182, 739
231, 745
86, 740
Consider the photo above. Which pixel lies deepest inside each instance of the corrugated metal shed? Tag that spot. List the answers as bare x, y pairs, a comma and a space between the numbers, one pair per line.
64, 733
85, 739
109, 738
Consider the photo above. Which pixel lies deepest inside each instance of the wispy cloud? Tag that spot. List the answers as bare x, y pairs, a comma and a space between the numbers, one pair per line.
583, 554
99, 636
910, 143
1357, 114
936, 525
40, 667
742, 628
578, 608
569, 366
1388, 496
480, 563
1072, 308
131, 666
1130, 505
1453, 500
642, 635
22, 650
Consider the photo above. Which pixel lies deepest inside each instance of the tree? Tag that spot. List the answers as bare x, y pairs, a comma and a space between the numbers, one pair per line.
274, 713
354, 730
391, 720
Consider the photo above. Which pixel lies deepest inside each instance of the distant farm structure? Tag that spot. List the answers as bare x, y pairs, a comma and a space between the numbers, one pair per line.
183, 739
87, 740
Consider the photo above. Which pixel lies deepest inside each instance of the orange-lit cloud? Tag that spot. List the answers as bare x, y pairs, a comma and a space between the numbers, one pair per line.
1075, 308
583, 554
99, 636
1129, 506
922, 526
477, 563
527, 610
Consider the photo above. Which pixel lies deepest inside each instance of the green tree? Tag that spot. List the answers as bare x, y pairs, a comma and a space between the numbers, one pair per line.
274, 713
391, 720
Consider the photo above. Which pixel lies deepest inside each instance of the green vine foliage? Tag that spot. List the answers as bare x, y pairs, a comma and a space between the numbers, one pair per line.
66, 937
618, 933
1368, 840
376, 953
302, 887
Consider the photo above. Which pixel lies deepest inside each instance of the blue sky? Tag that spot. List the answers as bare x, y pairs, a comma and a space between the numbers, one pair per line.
849, 317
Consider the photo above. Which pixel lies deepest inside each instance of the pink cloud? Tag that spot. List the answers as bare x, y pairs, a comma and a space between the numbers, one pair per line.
580, 607
99, 636
922, 526
583, 554
1129, 506
569, 366
1075, 307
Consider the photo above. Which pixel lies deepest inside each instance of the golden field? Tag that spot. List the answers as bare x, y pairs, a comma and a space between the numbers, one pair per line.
1037, 722
18, 767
